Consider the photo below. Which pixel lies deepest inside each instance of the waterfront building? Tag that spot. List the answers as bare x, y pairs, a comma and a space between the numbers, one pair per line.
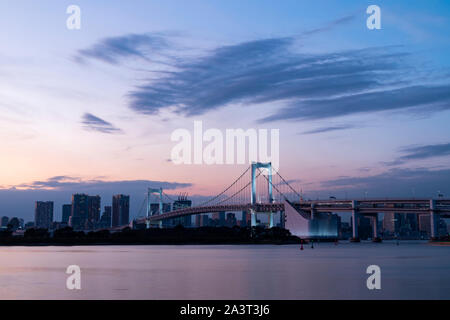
204, 220
231, 220
307, 226
105, 220
219, 219
66, 212
43, 214
120, 210
246, 219
4, 222
94, 205
85, 211
182, 203
154, 208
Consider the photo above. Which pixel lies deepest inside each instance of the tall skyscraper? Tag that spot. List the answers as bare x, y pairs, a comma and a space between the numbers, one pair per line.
204, 220
120, 210
246, 219
182, 203
43, 214
85, 211
80, 211
392, 222
154, 208
66, 212
94, 203
198, 221
105, 221
425, 225
219, 218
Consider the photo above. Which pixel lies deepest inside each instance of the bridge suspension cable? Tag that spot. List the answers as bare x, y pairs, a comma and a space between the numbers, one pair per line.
274, 185
142, 207
168, 197
293, 190
239, 191
224, 191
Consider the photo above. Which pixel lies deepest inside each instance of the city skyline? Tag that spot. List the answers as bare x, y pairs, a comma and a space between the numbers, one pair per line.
92, 110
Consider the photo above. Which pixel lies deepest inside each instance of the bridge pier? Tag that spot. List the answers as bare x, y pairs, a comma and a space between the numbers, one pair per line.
313, 211
375, 236
271, 220
253, 215
355, 219
434, 221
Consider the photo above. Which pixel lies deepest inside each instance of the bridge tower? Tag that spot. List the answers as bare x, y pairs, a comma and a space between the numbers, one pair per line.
268, 167
434, 220
149, 193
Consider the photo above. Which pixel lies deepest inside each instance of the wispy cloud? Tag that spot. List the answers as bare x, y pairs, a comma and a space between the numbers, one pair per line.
302, 86
411, 99
421, 182
77, 184
306, 86
328, 129
112, 50
331, 25
420, 152
93, 123
424, 152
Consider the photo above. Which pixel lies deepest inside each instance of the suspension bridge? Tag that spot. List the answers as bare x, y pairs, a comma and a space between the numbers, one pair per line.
259, 190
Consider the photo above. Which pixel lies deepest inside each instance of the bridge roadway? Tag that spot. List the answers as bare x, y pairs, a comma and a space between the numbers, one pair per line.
363, 207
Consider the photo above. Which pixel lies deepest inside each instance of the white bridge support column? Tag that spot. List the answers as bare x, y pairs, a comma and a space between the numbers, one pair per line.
253, 215
271, 220
434, 220
313, 211
355, 219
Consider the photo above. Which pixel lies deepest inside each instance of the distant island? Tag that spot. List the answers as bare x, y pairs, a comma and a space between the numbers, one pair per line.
154, 236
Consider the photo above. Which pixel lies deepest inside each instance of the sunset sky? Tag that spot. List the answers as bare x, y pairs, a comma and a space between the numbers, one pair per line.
92, 110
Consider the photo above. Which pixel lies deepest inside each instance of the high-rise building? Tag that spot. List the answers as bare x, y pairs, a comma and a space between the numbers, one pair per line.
80, 211
94, 204
219, 218
401, 224
201, 220
154, 208
66, 212
198, 221
43, 214
392, 223
85, 211
15, 224
246, 219
182, 203
29, 225
105, 221
120, 210
231, 220
204, 220
4, 222
424, 225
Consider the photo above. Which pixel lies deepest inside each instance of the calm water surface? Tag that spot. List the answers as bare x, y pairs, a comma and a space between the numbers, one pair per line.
412, 270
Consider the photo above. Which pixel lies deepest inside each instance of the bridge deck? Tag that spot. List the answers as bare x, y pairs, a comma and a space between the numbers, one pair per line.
364, 207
